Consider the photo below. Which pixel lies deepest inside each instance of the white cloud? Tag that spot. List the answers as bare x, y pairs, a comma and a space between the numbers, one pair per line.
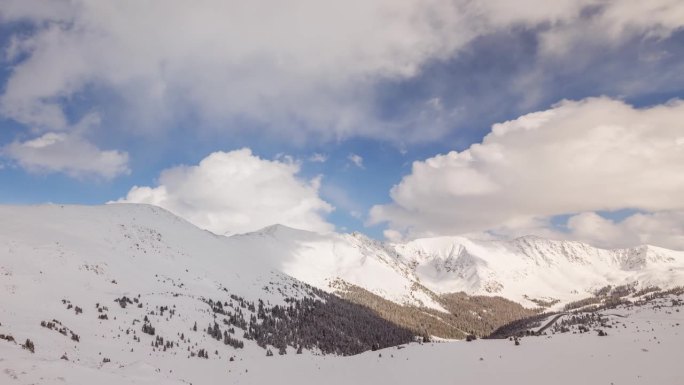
300, 67
302, 64
237, 192
577, 157
66, 153
616, 21
356, 159
664, 229
318, 158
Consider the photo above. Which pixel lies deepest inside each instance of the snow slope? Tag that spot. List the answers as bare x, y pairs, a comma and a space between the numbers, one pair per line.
410, 273
55, 258
646, 350
129, 244
323, 259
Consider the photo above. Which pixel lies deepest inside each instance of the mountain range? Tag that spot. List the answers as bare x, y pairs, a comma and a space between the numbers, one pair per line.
138, 268
522, 270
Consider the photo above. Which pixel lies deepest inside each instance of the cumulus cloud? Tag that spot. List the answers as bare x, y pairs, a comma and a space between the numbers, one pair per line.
66, 153
237, 192
596, 154
302, 67
302, 64
664, 229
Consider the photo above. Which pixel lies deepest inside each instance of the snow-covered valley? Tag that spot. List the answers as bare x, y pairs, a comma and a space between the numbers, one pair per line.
642, 349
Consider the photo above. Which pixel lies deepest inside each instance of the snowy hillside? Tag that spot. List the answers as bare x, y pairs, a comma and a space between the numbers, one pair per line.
105, 241
322, 260
130, 284
642, 346
134, 294
110, 247
536, 268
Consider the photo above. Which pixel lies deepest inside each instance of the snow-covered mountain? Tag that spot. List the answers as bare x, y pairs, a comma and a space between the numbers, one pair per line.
100, 245
137, 287
524, 269
106, 241
536, 268
324, 260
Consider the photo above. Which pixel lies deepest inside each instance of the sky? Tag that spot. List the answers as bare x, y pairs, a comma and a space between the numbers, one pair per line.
395, 118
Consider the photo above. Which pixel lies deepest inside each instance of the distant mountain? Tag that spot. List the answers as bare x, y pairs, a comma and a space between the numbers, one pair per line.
413, 273
325, 260
537, 268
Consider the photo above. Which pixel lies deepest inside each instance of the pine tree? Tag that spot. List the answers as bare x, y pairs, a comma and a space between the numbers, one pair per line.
28, 345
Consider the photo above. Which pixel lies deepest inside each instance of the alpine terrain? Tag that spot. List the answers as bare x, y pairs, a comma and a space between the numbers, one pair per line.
127, 293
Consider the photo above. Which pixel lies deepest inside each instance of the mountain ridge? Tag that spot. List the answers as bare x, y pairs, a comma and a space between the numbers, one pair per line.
564, 270
519, 269
110, 273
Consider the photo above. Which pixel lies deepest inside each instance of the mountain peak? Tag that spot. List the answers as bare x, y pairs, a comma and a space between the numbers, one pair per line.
280, 231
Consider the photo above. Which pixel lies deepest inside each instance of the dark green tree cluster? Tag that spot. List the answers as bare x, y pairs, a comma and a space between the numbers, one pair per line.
123, 301
324, 322
476, 315
319, 321
159, 342
147, 328
61, 329
29, 345
7, 337
519, 327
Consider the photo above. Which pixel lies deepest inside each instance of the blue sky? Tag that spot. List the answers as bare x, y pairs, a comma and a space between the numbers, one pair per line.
121, 79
